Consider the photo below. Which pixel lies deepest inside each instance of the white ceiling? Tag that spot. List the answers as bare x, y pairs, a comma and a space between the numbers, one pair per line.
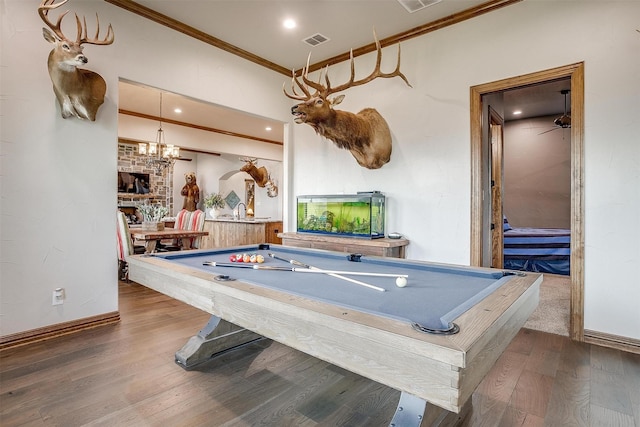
256, 26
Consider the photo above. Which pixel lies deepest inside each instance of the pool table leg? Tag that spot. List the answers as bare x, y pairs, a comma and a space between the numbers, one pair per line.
413, 411
217, 336
409, 412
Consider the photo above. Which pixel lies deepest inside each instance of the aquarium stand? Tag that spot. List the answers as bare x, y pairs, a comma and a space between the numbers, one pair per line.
379, 247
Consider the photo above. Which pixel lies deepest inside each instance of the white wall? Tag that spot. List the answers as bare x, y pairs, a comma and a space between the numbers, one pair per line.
428, 179
58, 176
221, 174
537, 173
57, 208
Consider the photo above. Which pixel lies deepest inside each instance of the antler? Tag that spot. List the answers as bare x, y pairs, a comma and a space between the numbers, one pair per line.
326, 90
81, 38
43, 11
108, 38
294, 79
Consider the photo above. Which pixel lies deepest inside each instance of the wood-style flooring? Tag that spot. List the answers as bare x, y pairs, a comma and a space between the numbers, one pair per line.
124, 375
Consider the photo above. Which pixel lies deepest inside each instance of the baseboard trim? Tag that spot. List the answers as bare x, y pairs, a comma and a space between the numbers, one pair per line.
57, 330
613, 341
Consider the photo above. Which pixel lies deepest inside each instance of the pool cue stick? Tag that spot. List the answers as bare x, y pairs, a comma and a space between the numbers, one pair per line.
223, 264
336, 275
354, 273
294, 269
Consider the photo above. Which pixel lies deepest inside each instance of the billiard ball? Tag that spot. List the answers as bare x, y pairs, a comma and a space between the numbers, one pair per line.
401, 282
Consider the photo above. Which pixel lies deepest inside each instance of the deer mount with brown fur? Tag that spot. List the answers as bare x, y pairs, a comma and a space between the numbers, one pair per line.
365, 134
260, 175
79, 92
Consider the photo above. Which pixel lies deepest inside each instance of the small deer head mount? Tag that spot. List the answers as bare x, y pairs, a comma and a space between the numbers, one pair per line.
272, 188
79, 92
366, 134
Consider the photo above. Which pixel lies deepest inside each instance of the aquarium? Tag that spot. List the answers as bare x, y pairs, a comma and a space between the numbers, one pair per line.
345, 215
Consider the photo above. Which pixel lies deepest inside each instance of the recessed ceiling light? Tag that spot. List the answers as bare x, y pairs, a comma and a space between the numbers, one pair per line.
517, 113
268, 128
289, 23
177, 110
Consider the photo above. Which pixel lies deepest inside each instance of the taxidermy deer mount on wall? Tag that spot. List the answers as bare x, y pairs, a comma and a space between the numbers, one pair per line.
260, 175
366, 134
80, 92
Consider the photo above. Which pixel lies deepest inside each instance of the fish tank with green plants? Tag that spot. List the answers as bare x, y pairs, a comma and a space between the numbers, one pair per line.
344, 215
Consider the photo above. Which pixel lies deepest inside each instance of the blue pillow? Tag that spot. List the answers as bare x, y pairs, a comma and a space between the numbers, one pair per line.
505, 224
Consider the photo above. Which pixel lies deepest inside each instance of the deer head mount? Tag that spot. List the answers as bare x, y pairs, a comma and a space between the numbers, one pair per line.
272, 188
366, 134
79, 92
260, 175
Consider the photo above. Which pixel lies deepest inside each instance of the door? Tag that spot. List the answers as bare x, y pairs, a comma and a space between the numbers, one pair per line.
479, 164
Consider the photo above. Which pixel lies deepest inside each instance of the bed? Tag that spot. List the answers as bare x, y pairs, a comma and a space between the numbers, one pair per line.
542, 250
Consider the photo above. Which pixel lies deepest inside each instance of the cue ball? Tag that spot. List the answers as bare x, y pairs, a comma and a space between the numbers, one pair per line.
401, 282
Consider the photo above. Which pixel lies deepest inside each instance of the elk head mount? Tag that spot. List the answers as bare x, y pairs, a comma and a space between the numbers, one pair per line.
79, 92
365, 134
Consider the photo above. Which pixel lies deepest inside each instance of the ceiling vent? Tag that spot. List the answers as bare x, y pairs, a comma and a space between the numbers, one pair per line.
316, 39
416, 5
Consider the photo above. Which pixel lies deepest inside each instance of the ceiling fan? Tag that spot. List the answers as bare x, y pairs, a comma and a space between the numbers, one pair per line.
564, 121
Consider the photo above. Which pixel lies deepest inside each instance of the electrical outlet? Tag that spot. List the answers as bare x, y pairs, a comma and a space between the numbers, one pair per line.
58, 296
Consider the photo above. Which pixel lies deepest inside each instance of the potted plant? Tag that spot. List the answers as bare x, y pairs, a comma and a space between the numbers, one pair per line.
214, 202
152, 216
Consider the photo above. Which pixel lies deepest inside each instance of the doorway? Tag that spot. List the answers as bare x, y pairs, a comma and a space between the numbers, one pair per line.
481, 212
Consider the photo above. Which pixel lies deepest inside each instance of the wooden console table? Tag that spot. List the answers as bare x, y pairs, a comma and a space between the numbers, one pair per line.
379, 247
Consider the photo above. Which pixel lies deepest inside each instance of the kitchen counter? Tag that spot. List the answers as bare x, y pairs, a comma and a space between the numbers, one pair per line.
226, 231
256, 220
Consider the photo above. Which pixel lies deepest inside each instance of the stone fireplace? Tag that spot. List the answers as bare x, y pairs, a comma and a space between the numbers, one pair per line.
160, 183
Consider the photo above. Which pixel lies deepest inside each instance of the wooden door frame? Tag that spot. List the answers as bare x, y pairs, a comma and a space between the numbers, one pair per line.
576, 73
496, 175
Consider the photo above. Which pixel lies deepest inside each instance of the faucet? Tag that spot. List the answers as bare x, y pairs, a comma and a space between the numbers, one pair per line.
245, 209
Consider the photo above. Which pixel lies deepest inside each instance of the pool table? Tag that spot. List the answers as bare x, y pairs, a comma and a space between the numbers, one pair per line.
433, 339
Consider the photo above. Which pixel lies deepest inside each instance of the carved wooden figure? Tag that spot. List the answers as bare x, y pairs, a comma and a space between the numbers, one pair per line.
80, 92
366, 134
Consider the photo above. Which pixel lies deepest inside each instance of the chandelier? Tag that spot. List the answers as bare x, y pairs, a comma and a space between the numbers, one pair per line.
159, 154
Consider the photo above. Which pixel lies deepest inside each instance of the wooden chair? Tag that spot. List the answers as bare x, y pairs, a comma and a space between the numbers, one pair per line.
125, 246
187, 220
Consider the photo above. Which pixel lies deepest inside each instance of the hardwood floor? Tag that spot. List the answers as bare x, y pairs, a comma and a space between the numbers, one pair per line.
124, 375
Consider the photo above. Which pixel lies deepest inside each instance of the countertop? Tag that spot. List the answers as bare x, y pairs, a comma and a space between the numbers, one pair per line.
256, 220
